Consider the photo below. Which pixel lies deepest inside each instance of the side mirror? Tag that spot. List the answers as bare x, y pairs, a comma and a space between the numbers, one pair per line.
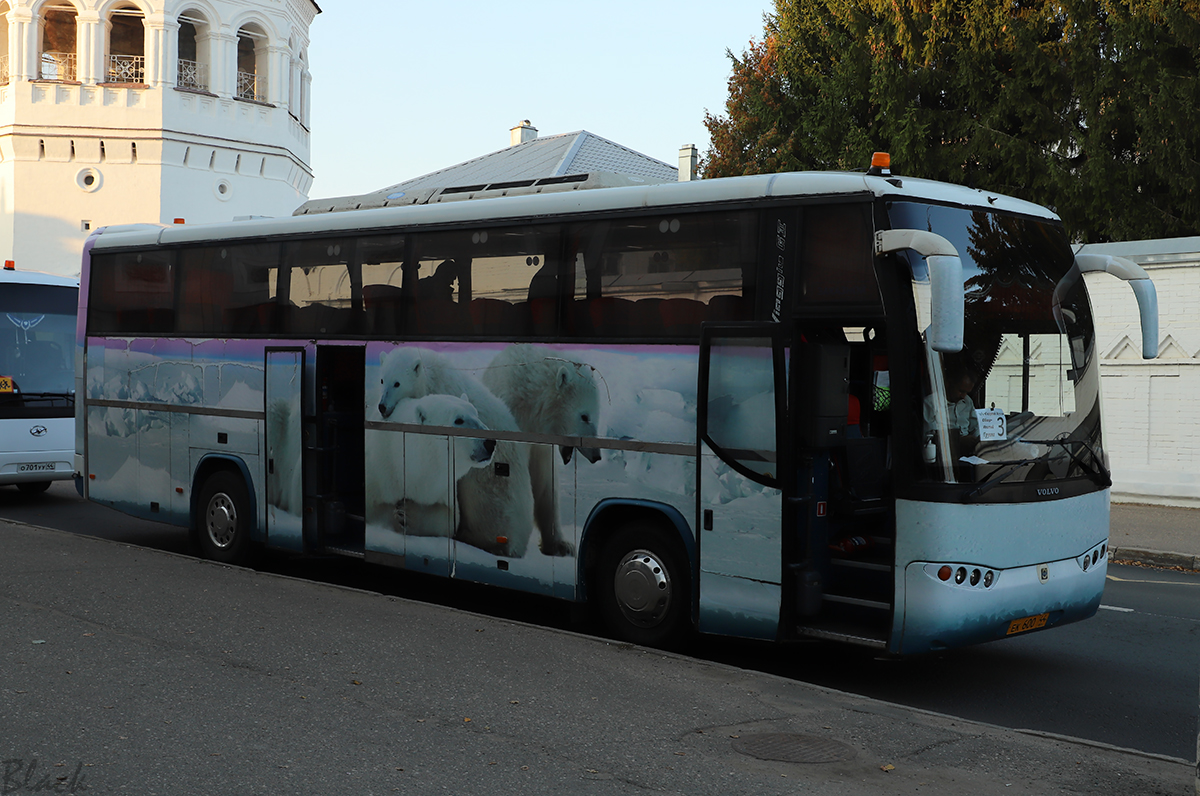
1143, 291
947, 296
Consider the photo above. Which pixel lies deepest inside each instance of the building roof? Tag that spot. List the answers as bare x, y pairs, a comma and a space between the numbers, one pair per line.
547, 157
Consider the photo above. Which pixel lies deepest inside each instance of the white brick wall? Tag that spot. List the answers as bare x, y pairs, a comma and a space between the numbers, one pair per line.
1152, 407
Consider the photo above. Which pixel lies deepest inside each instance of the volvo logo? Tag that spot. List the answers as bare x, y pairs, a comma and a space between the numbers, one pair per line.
1048, 491
38, 431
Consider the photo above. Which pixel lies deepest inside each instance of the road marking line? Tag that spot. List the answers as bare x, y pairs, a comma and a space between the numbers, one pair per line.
1115, 608
1154, 582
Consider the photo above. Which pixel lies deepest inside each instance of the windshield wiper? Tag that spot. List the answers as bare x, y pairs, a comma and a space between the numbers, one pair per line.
1097, 473
971, 495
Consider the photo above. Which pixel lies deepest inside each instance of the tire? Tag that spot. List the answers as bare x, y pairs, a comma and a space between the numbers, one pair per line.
643, 584
224, 519
33, 487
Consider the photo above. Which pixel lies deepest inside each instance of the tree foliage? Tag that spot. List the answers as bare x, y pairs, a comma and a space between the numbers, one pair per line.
1091, 107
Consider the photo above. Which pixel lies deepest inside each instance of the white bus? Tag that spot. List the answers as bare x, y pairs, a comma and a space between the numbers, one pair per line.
727, 406
37, 384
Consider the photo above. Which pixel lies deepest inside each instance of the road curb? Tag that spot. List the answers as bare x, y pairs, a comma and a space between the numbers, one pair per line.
1154, 558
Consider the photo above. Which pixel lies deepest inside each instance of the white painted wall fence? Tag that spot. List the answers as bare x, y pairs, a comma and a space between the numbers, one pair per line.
1152, 407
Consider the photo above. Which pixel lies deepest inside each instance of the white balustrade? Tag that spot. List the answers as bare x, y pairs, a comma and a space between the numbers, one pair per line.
126, 69
57, 66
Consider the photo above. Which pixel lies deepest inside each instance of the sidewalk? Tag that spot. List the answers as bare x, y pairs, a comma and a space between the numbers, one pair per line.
130, 670
1159, 536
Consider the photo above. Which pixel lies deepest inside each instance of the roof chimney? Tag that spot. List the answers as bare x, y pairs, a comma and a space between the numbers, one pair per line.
523, 132
688, 156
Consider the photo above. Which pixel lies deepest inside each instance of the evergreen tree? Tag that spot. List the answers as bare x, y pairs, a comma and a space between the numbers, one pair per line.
1091, 107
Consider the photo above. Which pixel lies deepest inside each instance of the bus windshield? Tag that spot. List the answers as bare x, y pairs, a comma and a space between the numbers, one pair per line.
1020, 402
37, 334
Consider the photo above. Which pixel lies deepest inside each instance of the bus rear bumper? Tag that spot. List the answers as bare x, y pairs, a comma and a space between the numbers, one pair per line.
945, 613
30, 467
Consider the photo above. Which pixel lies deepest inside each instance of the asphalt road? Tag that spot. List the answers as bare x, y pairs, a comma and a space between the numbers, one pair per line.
1126, 677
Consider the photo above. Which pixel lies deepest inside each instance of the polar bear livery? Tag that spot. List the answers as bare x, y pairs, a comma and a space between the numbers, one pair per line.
495, 510
426, 507
547, 394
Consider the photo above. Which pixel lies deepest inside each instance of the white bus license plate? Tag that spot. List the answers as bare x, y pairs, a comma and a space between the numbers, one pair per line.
1027, 624
35, 468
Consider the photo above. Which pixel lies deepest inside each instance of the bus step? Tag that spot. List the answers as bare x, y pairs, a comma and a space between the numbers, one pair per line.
344, 550
851, 637
854, 564
861, 603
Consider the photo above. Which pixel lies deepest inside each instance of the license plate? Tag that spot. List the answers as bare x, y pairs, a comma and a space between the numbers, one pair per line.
1027, 624
6, 384
35, 468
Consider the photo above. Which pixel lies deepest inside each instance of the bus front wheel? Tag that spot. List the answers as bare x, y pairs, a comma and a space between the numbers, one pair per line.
225, 519
643, 586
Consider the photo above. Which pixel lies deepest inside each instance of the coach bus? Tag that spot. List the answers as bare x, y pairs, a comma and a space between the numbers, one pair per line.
37, 384
849, 406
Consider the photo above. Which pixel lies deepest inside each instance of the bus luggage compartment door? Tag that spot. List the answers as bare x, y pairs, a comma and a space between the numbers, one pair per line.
740, 501
284, 444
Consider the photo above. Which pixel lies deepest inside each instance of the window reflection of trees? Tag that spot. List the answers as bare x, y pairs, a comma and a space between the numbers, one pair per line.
1010, 328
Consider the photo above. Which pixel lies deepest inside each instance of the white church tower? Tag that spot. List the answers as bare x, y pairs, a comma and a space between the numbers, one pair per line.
161, 111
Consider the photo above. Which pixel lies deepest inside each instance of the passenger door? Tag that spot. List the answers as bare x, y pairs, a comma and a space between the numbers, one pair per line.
741, 414
285, 449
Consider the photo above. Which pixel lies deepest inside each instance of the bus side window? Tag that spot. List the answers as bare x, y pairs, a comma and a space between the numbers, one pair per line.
228, 289
319, 294
837, 262
132, 293
662, 275
205, 295
382, 268
500, 282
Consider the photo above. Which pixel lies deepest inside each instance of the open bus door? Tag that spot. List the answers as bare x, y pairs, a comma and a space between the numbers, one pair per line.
742, 475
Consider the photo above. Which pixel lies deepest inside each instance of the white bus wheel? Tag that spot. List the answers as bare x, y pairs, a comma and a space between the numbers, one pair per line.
643, 586
224, 519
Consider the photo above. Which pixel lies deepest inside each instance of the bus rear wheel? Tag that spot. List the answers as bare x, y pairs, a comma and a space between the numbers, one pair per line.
224, 521
33, 487
643, 586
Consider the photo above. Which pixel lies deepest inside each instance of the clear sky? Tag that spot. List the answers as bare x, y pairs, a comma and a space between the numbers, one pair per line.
401, 89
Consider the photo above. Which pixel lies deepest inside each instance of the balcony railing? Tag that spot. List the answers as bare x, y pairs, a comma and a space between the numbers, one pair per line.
126, 69
247, 87
192, 75
58, 66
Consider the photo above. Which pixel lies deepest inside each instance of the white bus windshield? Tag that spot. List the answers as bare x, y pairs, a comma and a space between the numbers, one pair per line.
1020, 403
37, 337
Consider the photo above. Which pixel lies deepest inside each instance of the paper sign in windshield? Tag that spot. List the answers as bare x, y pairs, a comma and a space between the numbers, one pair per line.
992, 424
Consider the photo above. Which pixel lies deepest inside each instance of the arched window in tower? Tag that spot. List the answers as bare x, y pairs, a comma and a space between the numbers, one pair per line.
57, 57
293, 77
300, 106
126, 46
4, 9
251, 71
193, 51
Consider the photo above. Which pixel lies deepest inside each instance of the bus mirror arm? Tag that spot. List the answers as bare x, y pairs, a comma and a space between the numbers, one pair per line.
947, 296
1143, 291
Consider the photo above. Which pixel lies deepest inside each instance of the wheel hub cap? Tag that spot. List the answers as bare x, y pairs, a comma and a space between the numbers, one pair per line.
643, 588
221, 520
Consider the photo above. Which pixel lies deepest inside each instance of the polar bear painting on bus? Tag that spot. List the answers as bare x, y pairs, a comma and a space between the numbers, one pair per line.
495, 511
